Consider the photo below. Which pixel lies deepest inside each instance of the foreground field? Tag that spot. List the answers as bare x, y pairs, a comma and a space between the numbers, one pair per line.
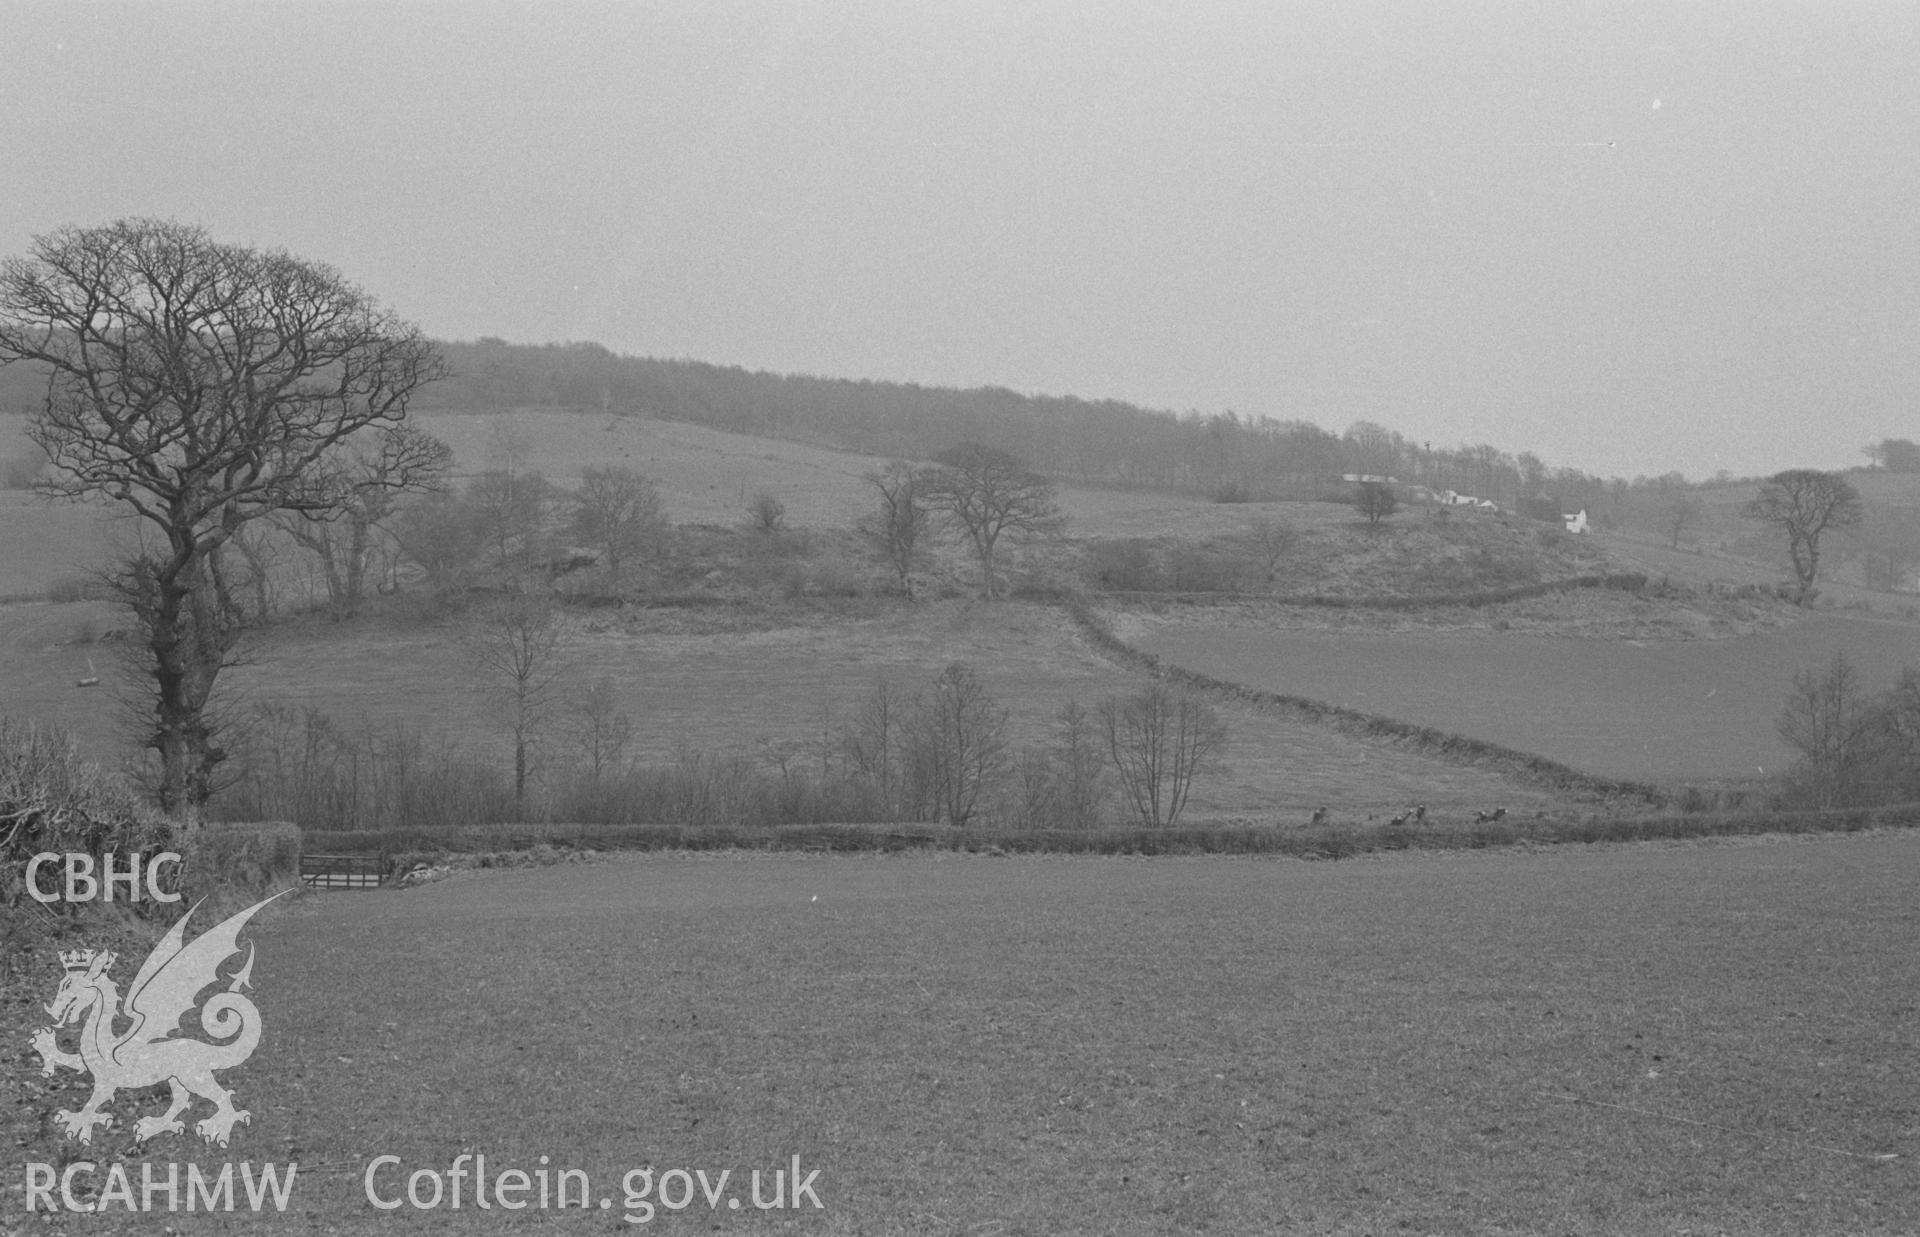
1712, 1039
1665, 711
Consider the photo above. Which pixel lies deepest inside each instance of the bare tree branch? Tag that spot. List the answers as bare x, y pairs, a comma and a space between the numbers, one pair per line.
203, 386
1805, 503
985, 493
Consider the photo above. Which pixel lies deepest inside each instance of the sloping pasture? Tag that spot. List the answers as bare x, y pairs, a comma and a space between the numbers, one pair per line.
45, 649
1585, 1042
704, 476
762, 694
1667, 711
767, 694
1645, 553
707, 476
43, 543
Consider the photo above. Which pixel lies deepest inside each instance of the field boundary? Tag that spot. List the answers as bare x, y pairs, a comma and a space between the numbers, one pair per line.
1625, 581
537, 845
1457, 748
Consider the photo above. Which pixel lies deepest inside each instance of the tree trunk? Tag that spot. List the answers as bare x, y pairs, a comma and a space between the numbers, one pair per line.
985, 545
188, 629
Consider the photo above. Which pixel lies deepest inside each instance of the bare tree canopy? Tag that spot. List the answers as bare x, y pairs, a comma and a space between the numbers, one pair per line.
1375, 500
368, 474
1679, 511
896, 527
204, 386
1159, 740
1894, 454
959, 743
985, 492
516, 642
1805, 503
617, 511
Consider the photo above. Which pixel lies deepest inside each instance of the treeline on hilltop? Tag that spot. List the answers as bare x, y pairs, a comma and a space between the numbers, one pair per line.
1096, 442
1081, 441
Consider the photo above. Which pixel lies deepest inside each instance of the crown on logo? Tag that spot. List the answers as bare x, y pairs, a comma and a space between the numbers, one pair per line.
77, 960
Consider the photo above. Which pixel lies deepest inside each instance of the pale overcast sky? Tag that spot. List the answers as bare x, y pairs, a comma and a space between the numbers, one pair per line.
1629, 238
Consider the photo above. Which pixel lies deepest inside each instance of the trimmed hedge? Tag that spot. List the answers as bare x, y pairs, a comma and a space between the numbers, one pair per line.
489, 842
240, 858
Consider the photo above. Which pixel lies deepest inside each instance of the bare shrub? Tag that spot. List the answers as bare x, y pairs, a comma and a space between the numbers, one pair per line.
1272, 542
52, 800
766, 514
897, 526
515, 642
599, 728
957, 745
1063, 785
873, 744
1828, 720
1123, 565
69, 589
1159, 740
298, 764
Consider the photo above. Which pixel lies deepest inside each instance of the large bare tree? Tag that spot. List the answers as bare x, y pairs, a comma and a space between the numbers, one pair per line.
369, 477
1805, 503
985, 493
204, 386
618, 512
896, 526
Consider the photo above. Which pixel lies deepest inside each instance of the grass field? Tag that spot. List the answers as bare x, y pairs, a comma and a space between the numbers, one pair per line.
42, 543
760, 691
1665, 712
1654, 711
1648, 554
704, 476
1710, 1039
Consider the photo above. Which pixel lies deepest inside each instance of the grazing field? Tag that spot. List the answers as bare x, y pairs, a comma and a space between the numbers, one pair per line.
704, 476
1644, 553
1615, 1040
707, 476
1662, 711
43, 543
765, 693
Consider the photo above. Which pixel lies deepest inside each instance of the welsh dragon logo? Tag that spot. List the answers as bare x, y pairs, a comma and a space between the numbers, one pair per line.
151, 1050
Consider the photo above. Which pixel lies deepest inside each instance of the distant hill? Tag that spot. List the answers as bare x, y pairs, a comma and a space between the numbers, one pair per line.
1093, 442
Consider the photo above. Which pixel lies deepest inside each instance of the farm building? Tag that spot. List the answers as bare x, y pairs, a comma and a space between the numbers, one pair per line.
1452, 499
